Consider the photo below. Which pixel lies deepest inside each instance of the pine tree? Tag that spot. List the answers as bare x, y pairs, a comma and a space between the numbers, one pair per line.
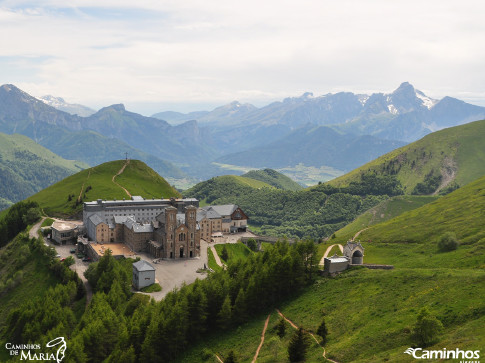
224, 315
231, 357
322, 331
281, 328
299, 344
224, 254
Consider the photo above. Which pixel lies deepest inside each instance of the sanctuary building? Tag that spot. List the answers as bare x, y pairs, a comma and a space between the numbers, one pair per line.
166, 228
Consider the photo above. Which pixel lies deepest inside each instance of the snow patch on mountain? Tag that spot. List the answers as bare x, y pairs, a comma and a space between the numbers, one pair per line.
363, 99
392, 109
427, 101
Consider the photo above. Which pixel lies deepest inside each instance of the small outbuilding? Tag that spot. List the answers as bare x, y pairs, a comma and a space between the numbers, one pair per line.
335, 264
143, 274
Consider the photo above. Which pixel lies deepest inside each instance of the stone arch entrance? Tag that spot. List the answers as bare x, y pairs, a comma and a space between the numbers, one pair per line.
181, 251
357, 258
354, 252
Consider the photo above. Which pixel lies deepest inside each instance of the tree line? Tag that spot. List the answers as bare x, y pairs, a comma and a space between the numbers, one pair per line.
315, 212
119, 326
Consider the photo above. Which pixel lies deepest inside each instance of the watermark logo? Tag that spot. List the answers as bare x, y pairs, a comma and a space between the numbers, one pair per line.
34, 352
62, 347
465, 356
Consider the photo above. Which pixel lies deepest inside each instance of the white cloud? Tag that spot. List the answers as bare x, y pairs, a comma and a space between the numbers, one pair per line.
107, 51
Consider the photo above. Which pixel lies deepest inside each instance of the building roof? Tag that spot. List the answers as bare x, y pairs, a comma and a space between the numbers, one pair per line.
142, 265
207, 213
120, 219
132, 224
96, 219
337, 259
63, 226
223, 210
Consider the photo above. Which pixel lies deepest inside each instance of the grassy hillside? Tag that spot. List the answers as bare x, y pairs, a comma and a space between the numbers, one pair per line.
96, 183
384, 211
274, 178
461, 212
27, 167
442, 159
234, 251
370, 314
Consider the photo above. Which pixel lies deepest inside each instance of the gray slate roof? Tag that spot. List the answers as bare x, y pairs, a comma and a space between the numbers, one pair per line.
207, 213
223, 210
132, 224
142, 265
95, 219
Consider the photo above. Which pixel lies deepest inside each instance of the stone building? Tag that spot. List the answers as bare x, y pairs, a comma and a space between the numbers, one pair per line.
335, 264
63, 232
354, 252
143, 274
233, 219
176, 235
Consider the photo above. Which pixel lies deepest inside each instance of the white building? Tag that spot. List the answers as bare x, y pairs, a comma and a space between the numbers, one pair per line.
143, 274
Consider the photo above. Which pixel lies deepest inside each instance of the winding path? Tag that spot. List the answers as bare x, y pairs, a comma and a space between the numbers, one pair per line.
313, 336
328, 251
262, 339
216, 257
119, 173
357, 234
35, 228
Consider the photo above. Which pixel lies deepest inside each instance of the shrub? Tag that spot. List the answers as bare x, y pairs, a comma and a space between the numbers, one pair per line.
427, 329
206, 354
448, 242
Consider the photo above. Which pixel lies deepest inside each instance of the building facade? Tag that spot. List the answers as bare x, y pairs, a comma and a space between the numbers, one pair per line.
143, 274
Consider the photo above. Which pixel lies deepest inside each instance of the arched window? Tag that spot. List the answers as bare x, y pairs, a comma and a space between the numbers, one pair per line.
182, 237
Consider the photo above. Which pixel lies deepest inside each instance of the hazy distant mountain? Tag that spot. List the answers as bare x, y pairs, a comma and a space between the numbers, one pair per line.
314, 146
176, 118
358, 128
405, 114
71, 108
69, 135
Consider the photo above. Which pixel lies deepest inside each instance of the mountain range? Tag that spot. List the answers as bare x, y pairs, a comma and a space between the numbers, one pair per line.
342, 130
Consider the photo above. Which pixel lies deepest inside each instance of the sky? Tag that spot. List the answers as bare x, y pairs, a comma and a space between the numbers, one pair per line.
187, 55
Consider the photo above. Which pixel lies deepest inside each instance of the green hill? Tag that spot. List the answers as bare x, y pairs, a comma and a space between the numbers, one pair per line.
27, 167
65, 197
461, 212
274, 178
370, 314
384, 211
442, 160
222, 186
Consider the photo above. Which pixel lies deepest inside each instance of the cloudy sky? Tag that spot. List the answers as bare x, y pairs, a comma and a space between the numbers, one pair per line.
184, 55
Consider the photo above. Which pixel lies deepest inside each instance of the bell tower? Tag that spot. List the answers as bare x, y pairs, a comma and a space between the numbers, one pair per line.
191, 223
170, 226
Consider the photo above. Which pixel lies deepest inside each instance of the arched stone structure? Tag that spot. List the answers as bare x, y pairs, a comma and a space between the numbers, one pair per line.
354, 252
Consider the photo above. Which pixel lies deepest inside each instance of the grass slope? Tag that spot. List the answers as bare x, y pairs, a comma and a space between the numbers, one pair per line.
27, 167
235, 251
456, 153
370, 314
137, 178
382, 212
461, 212
274, 178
